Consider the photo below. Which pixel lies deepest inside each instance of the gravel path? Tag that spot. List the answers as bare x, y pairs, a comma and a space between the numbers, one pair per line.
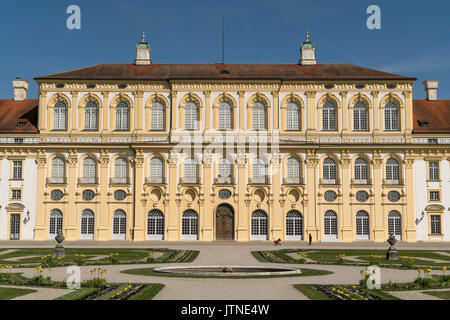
40, 294
415, 295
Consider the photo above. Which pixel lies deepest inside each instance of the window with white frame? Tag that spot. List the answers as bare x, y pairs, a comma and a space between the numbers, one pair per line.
59, 116
119, 224
155, 225
329, 170
392, 171
259, 171
292, 117
121, 170
157, 115
435, 195
360, 116
435, 227
330, 224
122, 116
189, 225
225, 116
16, 194
56, 222
259, 225
17, 170
190, 170
362, 225
87, 224
191, 116
395, 224
293, 170
89, 170
391, 115
91, 116
329, 116
156, 170
259, 115
58, 170
433, 169
361, 172
225, 170
294, 225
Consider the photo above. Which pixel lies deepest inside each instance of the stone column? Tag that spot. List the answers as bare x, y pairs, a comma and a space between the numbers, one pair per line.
171, 215
43, 109
276, 111
104, 230
138, 182
379, 229
345, 124
376, 113
72, 229
40, 229
138, 110
313, 217
311, 115
408, 116
242, 215
105, 120
242, 111
409, 180
207, 110
277, 229
173, 95
347, 230
208, 220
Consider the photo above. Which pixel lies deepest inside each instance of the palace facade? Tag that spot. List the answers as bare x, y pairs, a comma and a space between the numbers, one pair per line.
147, 151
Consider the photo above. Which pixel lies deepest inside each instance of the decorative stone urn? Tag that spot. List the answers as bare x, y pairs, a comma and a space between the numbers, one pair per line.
59, 249
392, 253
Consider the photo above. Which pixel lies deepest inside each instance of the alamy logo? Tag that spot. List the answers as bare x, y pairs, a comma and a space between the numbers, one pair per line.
373, 280
74, 279
74, 20
374, 20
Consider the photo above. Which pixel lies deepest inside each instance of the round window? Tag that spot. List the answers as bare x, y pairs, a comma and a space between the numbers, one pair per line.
362, 196
56, 195
224, 194
88, 195
119, 195
393, 196
330, 196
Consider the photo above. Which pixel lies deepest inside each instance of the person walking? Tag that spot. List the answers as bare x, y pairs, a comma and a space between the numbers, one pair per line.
310, 239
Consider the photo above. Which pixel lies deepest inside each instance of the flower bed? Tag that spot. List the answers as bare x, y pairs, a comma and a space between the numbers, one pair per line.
346, 292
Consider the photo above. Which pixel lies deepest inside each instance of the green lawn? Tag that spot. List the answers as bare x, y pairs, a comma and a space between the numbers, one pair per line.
149, 292
327, 256
310, 292
11, 293
151, 273
124, 255
78, 294
444, 294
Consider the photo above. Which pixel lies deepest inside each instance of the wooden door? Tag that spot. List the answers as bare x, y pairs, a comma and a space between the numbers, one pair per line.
224, 223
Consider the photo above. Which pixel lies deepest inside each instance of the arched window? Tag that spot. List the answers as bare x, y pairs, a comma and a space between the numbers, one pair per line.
259, 171
122, 116
225, 116
225, 171
259, 113
119, 225
395, 224
190, 171
156, 170
330, 225
60, 116
91, 116
360, 116
392, 171
329, 171
293, 171
56, 223
391, 116
121, 171
58, 170
157, 116
191, 116
89, 170
329, 116
189, 227
155, 225
292, 117
259, 225
294, 225
361, 171
87, 225
362, 225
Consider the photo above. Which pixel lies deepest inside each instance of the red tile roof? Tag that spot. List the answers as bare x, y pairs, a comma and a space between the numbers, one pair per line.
436, 114
13, 112
161, 71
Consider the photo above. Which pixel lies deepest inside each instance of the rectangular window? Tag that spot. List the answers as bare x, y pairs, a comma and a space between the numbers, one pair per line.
16, 194
435, 224
435, 196
433, 168
17, 170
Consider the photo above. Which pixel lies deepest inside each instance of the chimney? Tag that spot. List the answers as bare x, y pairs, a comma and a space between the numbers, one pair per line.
20, 89
142, 53
431, 87
307, 53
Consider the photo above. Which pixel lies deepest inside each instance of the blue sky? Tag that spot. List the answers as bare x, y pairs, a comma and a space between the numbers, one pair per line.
413, 40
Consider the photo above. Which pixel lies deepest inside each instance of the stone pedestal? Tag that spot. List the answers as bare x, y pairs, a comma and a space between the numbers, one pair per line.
392, 254
59, 251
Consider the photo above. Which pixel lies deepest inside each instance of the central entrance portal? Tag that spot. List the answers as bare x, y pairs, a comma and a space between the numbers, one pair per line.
224, 222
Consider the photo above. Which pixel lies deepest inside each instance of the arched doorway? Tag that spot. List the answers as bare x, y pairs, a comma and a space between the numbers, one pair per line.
224, 222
